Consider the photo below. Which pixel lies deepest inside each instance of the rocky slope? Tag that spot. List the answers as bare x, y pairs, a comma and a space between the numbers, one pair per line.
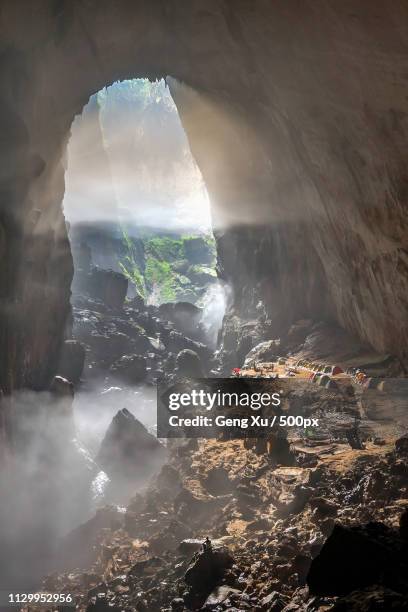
282, 538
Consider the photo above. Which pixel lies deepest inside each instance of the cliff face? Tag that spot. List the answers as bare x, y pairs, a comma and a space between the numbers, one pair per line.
296, 114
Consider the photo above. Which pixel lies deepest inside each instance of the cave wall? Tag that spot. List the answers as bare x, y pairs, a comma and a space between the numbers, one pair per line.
296, 113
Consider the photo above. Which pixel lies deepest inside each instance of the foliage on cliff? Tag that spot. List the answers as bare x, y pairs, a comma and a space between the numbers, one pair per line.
175, 267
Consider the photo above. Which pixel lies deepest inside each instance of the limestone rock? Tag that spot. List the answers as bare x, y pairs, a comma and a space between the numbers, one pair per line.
188, 364
72, 361
128, 450
130, 368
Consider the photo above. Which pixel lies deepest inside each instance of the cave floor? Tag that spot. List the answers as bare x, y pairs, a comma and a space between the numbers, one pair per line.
273, 518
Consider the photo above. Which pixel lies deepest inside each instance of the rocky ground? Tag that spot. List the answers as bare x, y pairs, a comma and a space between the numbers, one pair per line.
300, 521
282, 538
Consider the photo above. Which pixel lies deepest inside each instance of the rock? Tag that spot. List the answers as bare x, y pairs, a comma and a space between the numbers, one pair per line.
109, 286
169, 537
128, 450
107, 347
260, 524
130, 368
101, 604
188, 364
374, 599
177, 604
181, 266
137, 302
326, 525
219, 595
72, 359
190, 546
356, 557
403, 524
177, 342
301, 565
62, 388
323, 507
264, 351
147, 567
401, 445
184, 315
274, 602
217, 481
192, 508
78, 548
169, 479
207, 569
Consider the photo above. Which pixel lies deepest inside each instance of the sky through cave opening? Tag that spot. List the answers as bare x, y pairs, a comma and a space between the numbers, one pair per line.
135, 198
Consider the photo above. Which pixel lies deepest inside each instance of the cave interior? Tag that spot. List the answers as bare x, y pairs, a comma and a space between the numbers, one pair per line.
295, 115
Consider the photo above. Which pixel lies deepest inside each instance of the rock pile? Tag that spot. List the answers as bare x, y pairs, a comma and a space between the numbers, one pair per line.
128, 341
286, 539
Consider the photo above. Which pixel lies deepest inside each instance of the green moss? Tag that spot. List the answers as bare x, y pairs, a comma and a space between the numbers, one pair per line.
165, 277
129, 266
167, 249
199, 269
160, 279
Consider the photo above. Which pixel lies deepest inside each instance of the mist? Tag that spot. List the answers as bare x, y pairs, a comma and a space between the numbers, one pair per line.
94, 409
60, 485
214, 305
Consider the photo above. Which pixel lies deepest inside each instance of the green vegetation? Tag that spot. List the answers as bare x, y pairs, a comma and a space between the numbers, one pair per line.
160, 279
176, 267
129, 266
167, 249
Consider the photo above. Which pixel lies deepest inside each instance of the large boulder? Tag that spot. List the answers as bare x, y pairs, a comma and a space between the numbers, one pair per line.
264, 351
354, 558
176, 342
401, 446
188, 364
130, 368
128, 451
109, 286
61, 388
207, 569
185, 316
107, 347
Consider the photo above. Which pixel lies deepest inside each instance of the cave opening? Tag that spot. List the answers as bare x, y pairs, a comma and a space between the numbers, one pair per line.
135, 199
